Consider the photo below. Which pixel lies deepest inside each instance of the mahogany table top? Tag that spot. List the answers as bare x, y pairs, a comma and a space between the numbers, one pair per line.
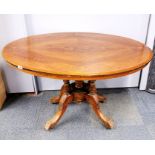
77, 56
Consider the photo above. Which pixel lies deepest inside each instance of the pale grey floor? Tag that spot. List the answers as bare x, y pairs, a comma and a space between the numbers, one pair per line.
133, 111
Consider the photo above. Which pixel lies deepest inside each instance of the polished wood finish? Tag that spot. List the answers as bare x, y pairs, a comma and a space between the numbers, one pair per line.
77, 56
78, 91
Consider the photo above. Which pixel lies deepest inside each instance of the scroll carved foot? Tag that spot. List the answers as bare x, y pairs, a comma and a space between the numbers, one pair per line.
63, 103
93, 100
101, 98
55, 99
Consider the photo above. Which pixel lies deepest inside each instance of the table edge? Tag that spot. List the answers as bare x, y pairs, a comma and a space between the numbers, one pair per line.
76, 77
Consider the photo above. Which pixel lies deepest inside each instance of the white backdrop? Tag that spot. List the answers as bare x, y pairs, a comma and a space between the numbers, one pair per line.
133, 26
13, 27
150, 43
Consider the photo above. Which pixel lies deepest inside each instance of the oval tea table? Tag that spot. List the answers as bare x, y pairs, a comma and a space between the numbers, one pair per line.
80, 57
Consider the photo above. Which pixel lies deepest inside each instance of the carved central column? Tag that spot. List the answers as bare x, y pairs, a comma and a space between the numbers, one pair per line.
79, 90
79, 84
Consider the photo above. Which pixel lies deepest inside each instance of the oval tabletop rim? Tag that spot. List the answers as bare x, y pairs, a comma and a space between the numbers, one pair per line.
136, 45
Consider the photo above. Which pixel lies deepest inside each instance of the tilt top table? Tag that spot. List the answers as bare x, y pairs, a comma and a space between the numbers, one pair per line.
79, 57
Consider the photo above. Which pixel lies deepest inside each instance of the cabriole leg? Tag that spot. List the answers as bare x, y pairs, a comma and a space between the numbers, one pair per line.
93, 100
65, 99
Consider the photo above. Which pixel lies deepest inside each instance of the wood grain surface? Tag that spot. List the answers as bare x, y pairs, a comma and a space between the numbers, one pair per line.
77, 56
